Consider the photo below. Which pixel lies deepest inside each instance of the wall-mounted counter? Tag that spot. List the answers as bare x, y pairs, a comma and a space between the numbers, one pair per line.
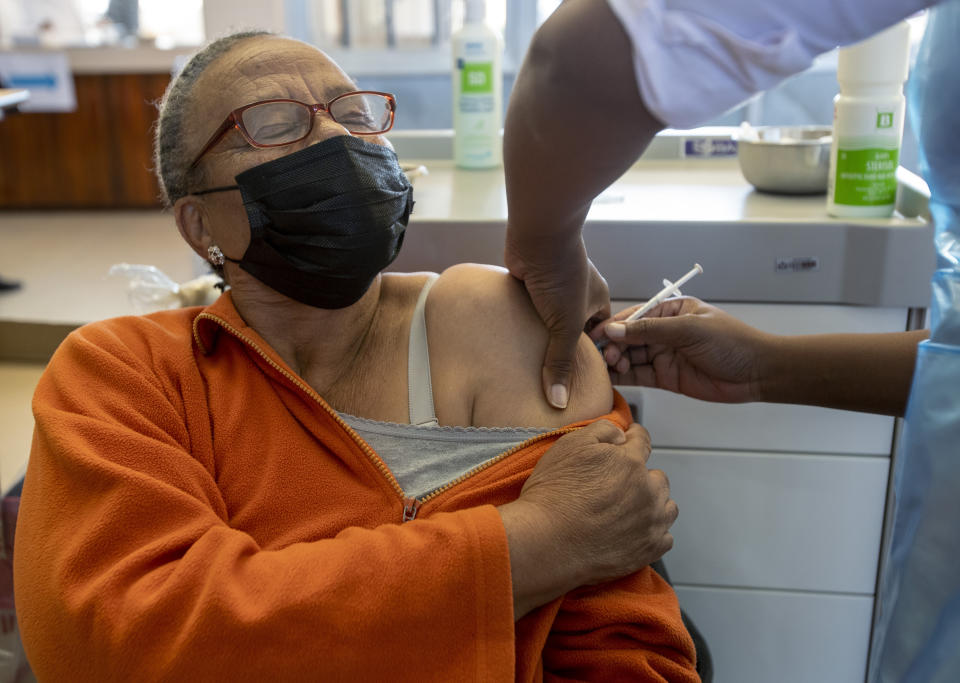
139, 59
665, 214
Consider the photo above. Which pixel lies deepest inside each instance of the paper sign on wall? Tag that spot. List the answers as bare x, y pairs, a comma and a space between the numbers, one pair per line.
46, 76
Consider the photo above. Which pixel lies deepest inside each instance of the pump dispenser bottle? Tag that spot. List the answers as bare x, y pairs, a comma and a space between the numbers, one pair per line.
868, 124
477, 91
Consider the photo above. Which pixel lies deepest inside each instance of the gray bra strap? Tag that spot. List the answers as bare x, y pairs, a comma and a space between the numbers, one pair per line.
419, 385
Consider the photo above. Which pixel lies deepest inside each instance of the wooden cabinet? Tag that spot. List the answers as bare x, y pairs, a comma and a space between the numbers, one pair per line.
99, 156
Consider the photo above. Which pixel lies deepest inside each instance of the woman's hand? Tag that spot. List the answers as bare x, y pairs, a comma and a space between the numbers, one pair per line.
590, 512
688, 347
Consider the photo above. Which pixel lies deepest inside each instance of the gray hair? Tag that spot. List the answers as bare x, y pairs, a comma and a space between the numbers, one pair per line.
171, 163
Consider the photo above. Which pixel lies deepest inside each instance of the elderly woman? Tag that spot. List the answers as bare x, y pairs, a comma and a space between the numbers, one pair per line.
319, 476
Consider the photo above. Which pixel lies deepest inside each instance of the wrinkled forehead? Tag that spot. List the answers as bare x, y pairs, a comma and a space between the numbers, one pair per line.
262, 68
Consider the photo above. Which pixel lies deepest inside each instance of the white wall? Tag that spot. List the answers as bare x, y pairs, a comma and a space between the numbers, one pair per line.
224, 16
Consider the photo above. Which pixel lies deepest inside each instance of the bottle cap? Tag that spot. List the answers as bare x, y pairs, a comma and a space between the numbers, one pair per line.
882, 58
476, 11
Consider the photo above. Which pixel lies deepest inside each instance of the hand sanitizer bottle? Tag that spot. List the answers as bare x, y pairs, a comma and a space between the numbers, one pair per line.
868, 125
477, 91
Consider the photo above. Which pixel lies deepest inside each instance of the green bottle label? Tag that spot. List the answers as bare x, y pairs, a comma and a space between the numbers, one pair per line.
866, 177
476, 78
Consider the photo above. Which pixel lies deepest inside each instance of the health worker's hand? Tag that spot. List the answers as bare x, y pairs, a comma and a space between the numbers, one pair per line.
688, 347
570, 295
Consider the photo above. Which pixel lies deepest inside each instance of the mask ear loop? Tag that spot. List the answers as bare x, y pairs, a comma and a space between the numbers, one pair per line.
225, 188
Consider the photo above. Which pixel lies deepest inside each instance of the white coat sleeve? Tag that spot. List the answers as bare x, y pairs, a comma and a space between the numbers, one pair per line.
696, 59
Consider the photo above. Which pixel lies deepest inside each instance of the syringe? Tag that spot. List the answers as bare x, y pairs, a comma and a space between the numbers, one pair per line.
664, 294
670, 289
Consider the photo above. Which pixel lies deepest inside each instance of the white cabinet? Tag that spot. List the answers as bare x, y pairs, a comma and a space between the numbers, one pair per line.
796, 522
781, 637
781, 515
676, 421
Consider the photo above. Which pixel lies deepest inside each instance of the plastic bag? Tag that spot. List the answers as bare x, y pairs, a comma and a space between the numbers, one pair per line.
150, 289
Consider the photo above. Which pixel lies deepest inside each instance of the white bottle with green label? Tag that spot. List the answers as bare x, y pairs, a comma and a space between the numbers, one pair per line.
477, 91
868, 124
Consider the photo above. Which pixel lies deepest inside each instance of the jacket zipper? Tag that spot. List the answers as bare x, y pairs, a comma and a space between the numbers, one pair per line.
411, 505
410, 508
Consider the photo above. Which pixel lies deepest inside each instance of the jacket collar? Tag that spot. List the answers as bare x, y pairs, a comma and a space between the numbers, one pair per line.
221, 316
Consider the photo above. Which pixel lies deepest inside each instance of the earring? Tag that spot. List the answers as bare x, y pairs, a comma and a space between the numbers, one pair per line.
215, 256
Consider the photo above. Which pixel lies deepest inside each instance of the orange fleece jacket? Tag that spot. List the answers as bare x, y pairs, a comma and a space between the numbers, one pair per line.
194, 511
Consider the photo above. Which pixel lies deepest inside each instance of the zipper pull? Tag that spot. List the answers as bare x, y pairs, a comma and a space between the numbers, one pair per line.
410, 508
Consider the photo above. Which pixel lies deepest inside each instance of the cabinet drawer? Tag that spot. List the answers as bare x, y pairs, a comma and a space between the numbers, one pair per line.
764, 636
804, 522
676, 421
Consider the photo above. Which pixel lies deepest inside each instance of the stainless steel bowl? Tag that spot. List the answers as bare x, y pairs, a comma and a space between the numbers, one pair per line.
785, 159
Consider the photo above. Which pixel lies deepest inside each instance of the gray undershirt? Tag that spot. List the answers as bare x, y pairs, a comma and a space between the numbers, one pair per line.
423, 459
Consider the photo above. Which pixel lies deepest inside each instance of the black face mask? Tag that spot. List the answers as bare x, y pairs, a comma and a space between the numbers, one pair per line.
325, 220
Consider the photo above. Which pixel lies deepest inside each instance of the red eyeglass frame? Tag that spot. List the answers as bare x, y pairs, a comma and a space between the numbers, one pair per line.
234, 120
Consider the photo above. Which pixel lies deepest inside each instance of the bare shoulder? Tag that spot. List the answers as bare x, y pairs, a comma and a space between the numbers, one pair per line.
487, 343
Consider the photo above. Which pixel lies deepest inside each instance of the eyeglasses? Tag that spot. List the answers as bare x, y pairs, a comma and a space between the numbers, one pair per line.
274, 123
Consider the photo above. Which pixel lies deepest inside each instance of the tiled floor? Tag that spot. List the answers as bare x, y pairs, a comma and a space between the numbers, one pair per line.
62, 259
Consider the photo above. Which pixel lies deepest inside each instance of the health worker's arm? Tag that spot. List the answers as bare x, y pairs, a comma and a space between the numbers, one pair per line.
692, 348
575, 123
